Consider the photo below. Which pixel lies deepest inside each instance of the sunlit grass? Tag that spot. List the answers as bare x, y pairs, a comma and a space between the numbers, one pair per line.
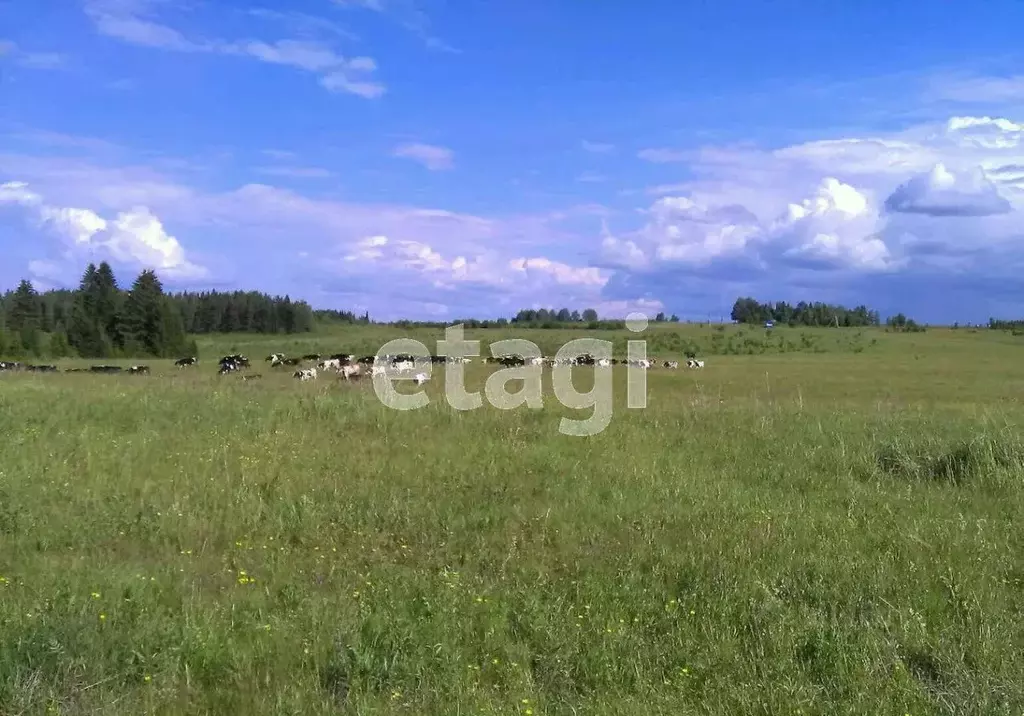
832, 533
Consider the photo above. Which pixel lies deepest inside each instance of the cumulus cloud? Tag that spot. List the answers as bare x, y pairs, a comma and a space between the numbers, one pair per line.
135, 237
874, 203
485, 268
842, 218
941, 192
433, 157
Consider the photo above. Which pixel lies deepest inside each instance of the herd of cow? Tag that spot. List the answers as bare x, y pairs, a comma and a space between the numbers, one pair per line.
349, 367
134, 370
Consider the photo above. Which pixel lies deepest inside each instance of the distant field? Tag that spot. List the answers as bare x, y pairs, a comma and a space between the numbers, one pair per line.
819, 522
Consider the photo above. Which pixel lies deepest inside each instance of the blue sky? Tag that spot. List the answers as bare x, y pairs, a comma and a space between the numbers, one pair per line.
439, 159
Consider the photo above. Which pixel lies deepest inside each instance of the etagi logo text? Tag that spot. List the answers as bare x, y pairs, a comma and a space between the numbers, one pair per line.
455, 346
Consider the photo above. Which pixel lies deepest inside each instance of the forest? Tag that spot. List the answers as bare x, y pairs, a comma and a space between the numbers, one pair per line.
100, 319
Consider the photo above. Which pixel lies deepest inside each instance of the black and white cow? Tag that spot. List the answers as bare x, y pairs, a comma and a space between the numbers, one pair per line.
139, 370
186, 362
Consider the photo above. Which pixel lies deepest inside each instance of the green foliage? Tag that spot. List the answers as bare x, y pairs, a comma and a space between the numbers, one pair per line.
749, 310
902, 324
94, 324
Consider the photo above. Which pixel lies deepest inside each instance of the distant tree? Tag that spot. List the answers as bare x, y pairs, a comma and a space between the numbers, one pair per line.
59, 345
85, 334
590, 315
108, 306
145, 315
674, 318
24, 317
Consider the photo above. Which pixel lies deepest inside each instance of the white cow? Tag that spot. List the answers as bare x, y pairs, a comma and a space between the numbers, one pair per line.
307, 374
604, 362
349, 371
420, 378
331, 363
404, 365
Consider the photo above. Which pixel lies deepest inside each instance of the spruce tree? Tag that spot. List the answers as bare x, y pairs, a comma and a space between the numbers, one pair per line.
108, 305
175, 342
144, 314
84, 332
25, 316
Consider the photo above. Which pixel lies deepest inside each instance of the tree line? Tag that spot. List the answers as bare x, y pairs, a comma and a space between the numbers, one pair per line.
998, 324
749, 310
102, 320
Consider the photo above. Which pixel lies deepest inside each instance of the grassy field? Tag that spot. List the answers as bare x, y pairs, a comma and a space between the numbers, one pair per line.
822, 525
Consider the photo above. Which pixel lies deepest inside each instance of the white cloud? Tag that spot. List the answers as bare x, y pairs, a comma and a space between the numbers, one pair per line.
431, 156
738, 220
135, 237
132, 21
941, 192
559, 272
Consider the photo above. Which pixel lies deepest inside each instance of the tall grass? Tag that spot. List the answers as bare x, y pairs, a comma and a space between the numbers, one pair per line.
816, 533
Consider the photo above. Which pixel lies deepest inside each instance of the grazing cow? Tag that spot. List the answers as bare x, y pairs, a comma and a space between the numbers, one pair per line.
350, 371
378, 370
238, 359
42, 368
311, 356
330, 364
139, 369
229, 367
694, 363
185, 362
9, 365
345, 358
420, 378
105, 369
404, 365
604, 363
673, 364
304, 375
275, 359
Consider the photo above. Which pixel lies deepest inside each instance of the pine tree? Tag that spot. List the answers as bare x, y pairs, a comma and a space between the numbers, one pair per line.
84, 332
108, 305
25, 317
144, 315
175, 342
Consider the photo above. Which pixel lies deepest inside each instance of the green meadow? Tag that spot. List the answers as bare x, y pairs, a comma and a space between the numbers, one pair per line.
821, 521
